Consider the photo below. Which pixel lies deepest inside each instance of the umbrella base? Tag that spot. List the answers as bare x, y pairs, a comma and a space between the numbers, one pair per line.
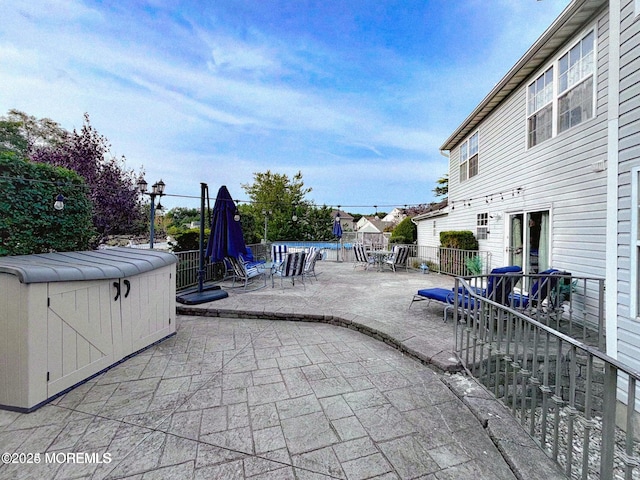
194, 297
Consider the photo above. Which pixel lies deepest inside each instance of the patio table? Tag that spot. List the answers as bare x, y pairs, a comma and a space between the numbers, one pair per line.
380, 256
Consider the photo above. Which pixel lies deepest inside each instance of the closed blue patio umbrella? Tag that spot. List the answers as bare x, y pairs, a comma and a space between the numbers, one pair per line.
226, 238
337, 232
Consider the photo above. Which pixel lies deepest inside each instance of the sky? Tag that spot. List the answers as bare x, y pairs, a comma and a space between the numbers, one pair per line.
358, 95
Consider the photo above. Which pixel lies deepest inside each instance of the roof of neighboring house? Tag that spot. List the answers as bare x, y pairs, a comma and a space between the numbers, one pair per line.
561, 30
343, 215
376, 223
434, 210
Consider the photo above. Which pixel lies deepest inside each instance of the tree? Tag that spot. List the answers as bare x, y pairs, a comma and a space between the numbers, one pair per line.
29, 223
442, 186
178, 219
117, 208
21, 133
277, 199
405, 230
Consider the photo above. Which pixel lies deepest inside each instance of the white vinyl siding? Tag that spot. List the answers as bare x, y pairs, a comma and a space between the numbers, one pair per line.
557, 175
628, 256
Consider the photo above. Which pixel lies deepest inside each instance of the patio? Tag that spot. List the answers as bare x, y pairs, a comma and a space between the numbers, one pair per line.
268, 384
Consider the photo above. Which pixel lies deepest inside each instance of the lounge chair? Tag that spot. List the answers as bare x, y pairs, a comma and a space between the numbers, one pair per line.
246, 274
360, 257
544, 298
499, 289
291, 267
398, 258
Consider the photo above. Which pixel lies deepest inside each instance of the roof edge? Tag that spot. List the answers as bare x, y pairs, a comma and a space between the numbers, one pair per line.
552, 30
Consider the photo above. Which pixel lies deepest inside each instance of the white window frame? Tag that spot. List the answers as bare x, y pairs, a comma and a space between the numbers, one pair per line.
584, 70
634, 254
469, 157
482, 226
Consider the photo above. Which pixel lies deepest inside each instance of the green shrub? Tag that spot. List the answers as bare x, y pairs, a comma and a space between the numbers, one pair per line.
461, 240
189, 240
28, 222
407, 230
398, 239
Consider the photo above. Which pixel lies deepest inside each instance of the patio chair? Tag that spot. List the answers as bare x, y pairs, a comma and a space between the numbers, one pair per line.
249, 259
361, 257
246, 274
499, 289
544, 298
278, 253
398, 258
291, 267
310, 262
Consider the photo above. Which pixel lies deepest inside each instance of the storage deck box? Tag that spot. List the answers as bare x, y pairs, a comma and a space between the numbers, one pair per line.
66, 316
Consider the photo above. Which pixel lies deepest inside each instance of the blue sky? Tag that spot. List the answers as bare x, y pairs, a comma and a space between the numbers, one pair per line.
357, 94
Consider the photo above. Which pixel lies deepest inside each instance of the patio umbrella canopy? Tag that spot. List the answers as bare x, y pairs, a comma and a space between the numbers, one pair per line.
337, 228
226, 238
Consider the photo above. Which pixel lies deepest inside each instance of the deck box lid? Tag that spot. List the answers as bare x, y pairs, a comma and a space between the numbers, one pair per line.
89, 265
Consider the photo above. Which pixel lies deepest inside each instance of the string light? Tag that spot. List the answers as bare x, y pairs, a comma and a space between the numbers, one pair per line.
487, 198
248, 202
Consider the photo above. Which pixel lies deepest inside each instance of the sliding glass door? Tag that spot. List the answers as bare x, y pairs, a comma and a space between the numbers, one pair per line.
528, 242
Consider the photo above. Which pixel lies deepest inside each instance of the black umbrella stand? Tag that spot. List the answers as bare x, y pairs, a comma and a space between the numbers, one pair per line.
201, 294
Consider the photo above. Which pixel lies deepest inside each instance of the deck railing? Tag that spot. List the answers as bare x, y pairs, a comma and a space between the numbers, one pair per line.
448, 261
570, 396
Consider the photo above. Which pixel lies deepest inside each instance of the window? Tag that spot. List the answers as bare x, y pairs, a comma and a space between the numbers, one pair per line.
434, 229
575, 84
540, 107
566, 88
482, 226
469, 158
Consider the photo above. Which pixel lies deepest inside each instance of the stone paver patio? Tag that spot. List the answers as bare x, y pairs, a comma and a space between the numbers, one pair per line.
272, 398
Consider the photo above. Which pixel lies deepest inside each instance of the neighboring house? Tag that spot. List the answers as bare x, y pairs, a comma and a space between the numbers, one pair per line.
430, 223
372, 225
346, 220
395, 216
546, 169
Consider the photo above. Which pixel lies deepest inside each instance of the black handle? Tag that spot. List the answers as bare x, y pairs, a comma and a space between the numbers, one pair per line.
117, 285
128, 285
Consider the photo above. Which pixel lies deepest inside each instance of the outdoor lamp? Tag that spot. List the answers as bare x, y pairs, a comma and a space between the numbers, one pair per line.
157, 190
59, 203
142, 185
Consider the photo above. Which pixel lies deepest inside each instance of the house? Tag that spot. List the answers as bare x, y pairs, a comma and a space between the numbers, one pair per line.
546, 169
346, 220
431, 222
395, 216
372, 225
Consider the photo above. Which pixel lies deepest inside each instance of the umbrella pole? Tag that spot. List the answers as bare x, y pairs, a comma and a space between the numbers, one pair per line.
203, 189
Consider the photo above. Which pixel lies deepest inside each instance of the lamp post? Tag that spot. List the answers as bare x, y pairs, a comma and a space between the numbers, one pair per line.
157, 190
266, 216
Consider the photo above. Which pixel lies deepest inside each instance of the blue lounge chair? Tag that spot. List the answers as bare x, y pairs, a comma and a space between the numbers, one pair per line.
499, 289
544, 297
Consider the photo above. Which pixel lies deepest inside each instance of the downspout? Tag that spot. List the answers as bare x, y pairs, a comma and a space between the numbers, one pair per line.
613, 107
